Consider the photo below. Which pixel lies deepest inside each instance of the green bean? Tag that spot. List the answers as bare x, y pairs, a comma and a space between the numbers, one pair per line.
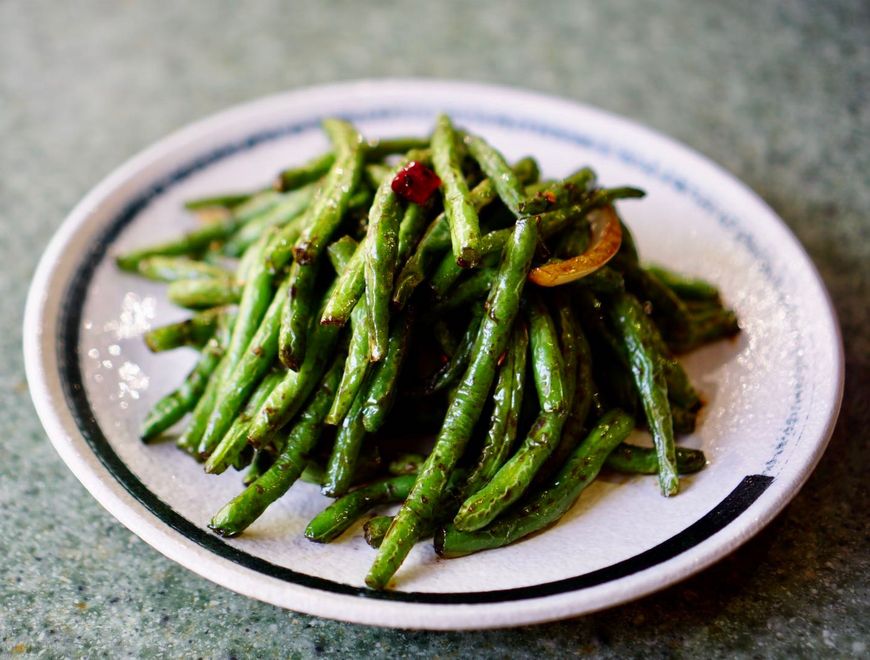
360, 200
550, 504
448, 271
382, 391
461, 214
445, 276
258, 466
262, 349
703, 309
348, 289
575, 240
515, 476
411, 228
297, 313
201, 238
406, 464
194, 331
506, 183
475, 287
376, 173
355, 366
234, 441
258, 203
375, 529
436, 239
628, 317
617, 384
313, 473
375, 150
329, 206
380, 265
628, 248
553, 222
172, 407
257, 298
297, 316
687, 288
380, 148
253, 398
579, 373
170, 269
293, 389
632, 459
685, 420
295, 386
325, 215
569, 190
341, 252
351, 283
464, 409
550, 223
317, 167
245, 508
203, 294
368, 466
603, 280
334, 520
548, 364
706, 328
508, 397
249, 260
226, 201
568, 338
189, 439
670, 313
680, 389
319, 212
345, 451
450, 372
242, 377
291, 208
309, 172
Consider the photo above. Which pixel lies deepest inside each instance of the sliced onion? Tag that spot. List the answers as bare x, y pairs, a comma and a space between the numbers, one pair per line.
605, 242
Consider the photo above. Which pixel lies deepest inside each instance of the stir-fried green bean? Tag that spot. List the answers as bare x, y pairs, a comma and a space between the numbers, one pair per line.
425, 324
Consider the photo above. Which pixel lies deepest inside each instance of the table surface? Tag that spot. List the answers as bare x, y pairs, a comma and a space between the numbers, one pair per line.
776, 92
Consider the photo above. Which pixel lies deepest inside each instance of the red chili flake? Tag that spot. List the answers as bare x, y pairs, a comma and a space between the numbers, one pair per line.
416, 183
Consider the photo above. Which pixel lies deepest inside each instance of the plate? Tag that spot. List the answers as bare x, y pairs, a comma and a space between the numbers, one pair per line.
773, 394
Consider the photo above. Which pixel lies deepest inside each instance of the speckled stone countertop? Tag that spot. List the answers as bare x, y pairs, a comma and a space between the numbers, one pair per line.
777, 92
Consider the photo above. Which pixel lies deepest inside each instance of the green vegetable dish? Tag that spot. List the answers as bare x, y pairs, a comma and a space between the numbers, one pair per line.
390, 292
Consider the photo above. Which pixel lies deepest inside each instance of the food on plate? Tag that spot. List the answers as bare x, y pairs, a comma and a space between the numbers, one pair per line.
394, 290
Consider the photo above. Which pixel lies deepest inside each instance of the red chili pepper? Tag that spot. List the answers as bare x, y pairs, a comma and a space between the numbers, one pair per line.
416, 183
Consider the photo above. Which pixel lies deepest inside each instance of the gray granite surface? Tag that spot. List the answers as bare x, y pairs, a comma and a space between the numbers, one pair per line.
775, 91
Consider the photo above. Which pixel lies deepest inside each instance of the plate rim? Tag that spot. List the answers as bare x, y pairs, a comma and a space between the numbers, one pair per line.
146, 525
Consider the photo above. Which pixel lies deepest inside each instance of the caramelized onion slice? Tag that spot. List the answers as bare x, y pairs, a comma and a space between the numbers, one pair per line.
605, 242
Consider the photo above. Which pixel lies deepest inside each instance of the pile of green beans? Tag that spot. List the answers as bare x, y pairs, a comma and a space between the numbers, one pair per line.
337, 322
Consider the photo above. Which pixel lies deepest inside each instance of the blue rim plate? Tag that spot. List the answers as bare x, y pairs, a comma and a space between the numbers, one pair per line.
772, 395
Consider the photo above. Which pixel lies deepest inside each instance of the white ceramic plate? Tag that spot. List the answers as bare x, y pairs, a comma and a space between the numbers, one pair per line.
773, 393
